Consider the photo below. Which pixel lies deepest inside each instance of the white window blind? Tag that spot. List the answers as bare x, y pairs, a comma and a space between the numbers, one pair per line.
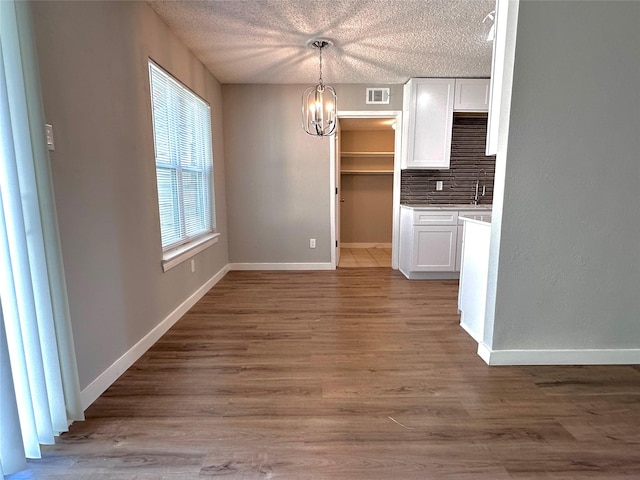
184, 160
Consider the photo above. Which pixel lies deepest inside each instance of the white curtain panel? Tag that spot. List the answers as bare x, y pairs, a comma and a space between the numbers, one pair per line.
39, 395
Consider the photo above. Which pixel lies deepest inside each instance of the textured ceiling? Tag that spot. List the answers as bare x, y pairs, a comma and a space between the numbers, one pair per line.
376, 41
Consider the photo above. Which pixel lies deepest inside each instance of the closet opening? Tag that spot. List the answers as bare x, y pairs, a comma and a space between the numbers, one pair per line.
365, 176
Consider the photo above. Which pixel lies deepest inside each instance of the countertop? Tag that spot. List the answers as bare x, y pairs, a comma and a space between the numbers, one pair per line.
457, 206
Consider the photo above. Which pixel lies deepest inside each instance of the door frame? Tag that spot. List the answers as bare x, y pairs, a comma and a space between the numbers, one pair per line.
397, 156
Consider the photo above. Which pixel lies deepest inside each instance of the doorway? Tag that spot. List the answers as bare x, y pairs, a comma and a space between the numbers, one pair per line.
366, 175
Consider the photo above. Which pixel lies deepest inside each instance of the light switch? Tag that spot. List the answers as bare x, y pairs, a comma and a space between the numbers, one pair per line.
48, 129
439, 185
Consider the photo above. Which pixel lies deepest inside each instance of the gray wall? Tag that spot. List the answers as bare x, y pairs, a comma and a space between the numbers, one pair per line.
93, 65
366, 215
353, 96
569, 261
277, 177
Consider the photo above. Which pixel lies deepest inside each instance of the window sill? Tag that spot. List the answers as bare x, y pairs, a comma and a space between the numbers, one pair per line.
178, 255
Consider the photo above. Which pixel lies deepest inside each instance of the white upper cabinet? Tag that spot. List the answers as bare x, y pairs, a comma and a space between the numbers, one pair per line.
472, 95
428, 110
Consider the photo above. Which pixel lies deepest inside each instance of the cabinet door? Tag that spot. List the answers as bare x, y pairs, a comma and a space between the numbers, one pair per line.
466, 213
430, 122
472, 95
434, 248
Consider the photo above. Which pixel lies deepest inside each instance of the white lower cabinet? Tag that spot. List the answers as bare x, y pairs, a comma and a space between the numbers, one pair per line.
431, 242
428, 243
463, 213
472, 293
434, 249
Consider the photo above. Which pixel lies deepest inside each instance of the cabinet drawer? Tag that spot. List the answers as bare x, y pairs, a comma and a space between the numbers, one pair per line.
435, 218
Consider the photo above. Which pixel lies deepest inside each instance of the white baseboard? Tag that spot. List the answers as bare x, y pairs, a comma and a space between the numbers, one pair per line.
365, 245
484, 353
559, 357
280, 266
430, 275
111, 374
477, 336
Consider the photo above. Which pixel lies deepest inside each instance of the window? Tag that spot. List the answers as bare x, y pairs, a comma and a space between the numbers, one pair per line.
184, 161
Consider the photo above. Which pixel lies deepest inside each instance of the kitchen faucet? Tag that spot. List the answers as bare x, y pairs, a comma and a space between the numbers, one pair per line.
476, 198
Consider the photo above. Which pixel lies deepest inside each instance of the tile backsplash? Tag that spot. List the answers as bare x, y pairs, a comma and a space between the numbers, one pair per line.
468, 165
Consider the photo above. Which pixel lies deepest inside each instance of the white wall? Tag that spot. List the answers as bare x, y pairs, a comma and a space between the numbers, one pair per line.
94, 74
568, 274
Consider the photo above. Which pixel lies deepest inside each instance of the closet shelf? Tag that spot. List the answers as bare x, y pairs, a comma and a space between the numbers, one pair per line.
366, 154
362, 171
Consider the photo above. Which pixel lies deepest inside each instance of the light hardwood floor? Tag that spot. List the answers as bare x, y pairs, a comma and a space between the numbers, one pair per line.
364, 257
353, 374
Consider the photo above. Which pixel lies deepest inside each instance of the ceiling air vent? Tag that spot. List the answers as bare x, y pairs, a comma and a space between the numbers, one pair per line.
378, 96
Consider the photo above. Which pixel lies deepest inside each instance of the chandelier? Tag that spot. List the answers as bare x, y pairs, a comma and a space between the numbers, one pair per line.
319, 102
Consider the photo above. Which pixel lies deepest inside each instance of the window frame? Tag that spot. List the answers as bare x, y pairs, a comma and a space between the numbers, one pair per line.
186, 246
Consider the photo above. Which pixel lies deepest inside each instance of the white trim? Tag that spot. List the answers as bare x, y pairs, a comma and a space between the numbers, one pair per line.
111, 374
397, 157
397, 176
484, 352
333, 199
559, 357
469, 330
280, 266
176, 256
366, 245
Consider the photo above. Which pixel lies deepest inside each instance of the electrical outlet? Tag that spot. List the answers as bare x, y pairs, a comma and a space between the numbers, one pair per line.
312, 243
439, 185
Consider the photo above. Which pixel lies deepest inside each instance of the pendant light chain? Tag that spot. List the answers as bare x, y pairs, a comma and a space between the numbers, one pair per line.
320, 49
